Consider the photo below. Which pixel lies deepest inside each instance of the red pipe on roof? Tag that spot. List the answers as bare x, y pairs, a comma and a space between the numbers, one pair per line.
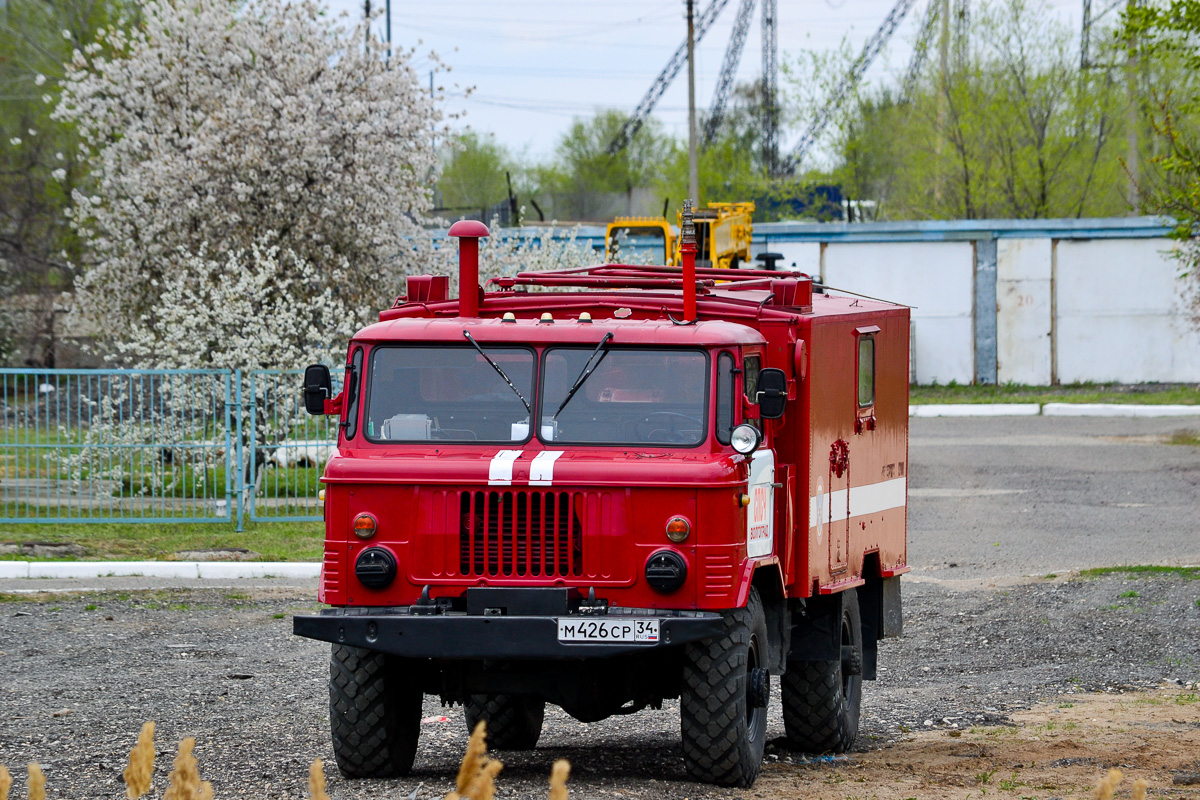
469, 232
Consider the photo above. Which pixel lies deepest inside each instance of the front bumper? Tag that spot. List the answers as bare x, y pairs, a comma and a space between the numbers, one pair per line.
404, 633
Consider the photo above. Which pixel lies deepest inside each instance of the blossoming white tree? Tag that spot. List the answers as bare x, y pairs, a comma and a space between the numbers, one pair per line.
260, 179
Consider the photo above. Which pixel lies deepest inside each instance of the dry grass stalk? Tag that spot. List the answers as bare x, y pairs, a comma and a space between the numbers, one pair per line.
5, 783
477, 775
316, 781
37, 782
140, 770
558, 779
1139, 789
185, 783
1106, 789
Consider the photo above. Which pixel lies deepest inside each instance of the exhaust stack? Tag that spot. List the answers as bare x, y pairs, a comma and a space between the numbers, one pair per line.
469, 232
687, 253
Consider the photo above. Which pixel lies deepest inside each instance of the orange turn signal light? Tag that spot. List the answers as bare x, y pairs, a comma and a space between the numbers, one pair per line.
364, 526
678, 529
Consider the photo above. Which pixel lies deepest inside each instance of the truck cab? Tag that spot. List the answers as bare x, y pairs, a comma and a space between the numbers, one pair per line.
657, 486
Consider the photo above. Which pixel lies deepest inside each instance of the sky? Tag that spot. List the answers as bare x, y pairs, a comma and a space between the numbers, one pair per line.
535, 65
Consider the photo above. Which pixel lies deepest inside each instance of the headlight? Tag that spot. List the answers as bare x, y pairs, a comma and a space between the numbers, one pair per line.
375, 568
666, 571
745, 439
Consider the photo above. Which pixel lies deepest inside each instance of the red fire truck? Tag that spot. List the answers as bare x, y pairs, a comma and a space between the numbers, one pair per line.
644, 484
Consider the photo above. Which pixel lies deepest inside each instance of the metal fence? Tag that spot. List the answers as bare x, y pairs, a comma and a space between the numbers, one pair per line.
288, 448
158, 446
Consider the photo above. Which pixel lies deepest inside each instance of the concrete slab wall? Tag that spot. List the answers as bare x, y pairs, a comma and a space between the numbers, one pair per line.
936, 279
1075, 300
1023, 311
1120, 313
1027, 301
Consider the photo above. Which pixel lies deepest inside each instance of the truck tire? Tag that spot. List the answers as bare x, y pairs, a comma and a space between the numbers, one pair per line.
374, 713
723, 721
821, 699
514, 722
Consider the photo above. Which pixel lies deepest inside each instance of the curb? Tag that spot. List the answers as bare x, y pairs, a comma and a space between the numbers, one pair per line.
1051, 410
208, 570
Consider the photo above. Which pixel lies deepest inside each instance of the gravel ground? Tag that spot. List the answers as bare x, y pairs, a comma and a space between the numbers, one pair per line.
79, 674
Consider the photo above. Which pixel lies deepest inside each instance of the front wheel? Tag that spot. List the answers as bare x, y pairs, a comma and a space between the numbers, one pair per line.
821, 699
723, 701
374, 713
514, 722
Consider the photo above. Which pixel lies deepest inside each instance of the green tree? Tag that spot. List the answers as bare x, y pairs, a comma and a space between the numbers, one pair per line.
589, 182
38, 167
1015, 128
731, 167
473, 172
1169, 36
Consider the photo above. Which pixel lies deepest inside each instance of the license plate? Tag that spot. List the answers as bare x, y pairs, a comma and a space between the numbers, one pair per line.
607, 630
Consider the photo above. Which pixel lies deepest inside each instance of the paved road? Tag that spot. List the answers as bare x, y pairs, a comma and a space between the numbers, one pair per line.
1011, 496
1005, 497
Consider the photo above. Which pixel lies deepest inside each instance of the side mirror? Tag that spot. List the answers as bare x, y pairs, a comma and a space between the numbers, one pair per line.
772, 393
317, 388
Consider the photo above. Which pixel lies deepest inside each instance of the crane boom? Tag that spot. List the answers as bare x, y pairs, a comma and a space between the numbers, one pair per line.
869, 51
920, 53
733, 55
638, 117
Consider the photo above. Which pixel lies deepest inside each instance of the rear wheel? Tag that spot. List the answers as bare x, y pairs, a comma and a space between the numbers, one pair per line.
514, 722
374, 713
723, 702
821, 699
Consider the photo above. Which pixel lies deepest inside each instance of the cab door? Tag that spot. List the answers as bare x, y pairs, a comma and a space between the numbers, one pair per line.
760, 514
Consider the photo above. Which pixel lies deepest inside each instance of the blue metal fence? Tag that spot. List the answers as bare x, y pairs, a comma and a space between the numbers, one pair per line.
159, 446
289, 447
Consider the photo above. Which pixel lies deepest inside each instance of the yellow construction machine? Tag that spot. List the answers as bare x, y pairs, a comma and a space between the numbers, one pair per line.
723, 232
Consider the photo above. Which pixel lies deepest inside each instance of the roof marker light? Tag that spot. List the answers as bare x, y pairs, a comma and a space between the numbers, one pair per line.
585, 317
509, 316
546, 317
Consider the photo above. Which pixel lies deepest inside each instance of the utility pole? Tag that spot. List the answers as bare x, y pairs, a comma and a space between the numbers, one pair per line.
1132, 119
367, 24
693, 166
388, 17
770, 85
943, 86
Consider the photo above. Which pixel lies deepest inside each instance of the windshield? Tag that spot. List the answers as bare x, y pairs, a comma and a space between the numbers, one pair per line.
631, 397
632, 245
448, 394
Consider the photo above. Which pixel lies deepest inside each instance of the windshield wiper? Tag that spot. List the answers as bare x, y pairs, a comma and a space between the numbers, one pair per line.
588, 369
496, 367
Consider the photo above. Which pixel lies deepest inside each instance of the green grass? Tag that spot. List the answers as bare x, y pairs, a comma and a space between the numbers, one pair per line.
275, 541
1144, 393
1191, 573
1185, 437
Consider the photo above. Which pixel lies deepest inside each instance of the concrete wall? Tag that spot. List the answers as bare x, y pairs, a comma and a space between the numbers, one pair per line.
942, 300
1023, 301
1120, 313
1034, 302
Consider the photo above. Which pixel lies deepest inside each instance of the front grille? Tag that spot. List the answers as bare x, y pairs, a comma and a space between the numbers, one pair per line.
519, 533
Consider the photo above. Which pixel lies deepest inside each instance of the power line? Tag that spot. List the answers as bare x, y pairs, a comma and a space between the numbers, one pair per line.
651, 98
